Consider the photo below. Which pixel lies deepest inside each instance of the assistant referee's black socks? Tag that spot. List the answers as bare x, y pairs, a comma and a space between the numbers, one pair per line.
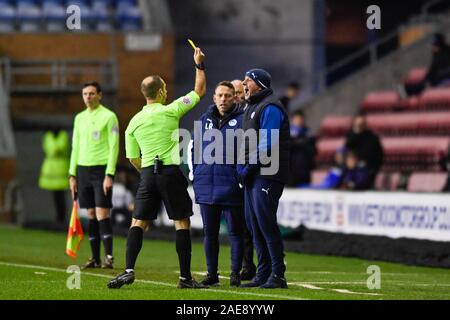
94, 239
134, 245
107, 235
184, 248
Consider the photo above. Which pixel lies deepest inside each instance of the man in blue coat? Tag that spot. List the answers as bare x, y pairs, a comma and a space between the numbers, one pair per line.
264, 177
215, 181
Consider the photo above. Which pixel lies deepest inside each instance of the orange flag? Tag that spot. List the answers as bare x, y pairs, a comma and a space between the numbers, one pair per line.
75, 233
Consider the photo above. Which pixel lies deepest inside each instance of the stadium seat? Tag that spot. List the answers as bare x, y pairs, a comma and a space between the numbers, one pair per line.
129, 18
427, 181
55, 16
413, 81
405, 153
333, 126
7, 17
435, 98
381, 101
389, 181
29, 16
426, 123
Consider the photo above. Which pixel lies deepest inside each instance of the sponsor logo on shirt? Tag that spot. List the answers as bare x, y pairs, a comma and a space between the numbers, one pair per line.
96, 135
208, 124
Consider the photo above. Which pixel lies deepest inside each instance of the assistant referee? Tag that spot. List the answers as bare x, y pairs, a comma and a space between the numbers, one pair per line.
151, 149
95, 148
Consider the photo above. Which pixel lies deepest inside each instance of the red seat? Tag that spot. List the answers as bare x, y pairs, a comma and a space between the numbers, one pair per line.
415, 75
427, 123
333, 126
387, 181
427, 181
380, 101
326, 148
401, 153
435, 98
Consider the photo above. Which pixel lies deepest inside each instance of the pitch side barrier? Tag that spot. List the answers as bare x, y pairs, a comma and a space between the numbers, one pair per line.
404, 227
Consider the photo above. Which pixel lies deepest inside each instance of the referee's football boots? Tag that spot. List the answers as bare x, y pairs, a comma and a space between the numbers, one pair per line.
92, 264
121, 279
190, 284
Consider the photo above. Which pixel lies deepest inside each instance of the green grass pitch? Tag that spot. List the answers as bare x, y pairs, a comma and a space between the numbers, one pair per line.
33, 266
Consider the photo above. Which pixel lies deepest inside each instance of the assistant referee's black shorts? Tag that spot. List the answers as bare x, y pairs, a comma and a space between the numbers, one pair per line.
90, 187
170, 187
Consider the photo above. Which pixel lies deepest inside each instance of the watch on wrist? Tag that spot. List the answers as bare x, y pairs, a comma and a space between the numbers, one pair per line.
200, 66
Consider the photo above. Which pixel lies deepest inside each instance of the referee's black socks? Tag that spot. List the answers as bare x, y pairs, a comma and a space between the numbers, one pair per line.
107, 235
94, 239
134, 245
184, 248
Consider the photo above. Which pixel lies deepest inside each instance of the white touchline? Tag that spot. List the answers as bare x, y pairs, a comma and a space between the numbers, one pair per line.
29, 266
351, 292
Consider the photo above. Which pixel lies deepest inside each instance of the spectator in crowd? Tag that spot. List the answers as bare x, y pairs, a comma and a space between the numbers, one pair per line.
303, 151
292, 90
367, 147
54, 169
439, 70
356, 176
333, 179
122, 200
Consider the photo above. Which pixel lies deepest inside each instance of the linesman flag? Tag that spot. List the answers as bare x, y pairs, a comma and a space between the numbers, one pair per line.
75, 232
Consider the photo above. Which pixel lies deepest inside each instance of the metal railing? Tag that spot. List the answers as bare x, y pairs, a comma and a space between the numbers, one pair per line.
59, 75
7, 145
371, 53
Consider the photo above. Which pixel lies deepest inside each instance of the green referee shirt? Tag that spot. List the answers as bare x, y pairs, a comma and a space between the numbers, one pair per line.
154, 131
95, 140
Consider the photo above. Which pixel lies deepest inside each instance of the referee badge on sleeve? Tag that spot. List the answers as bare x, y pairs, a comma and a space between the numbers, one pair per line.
115, 130
186, 100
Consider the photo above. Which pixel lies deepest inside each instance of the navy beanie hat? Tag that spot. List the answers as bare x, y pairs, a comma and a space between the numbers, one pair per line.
261, 77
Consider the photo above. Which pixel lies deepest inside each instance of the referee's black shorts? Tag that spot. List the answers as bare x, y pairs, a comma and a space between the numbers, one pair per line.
170, 187
90, 187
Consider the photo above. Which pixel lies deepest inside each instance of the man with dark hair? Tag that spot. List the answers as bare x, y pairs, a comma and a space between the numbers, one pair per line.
303, 151
367, 147
439, 71
263, 188
215, 183
153, 151
292, 90
95, 148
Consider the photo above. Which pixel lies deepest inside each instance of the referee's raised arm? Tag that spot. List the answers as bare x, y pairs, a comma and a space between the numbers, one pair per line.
200, 78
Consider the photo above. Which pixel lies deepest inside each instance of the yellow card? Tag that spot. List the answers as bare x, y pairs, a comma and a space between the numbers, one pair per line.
192, 44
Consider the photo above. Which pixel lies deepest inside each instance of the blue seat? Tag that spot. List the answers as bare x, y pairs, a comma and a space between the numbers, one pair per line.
80, 3
129, 18
107, 3
7, 17
55, 16
29, 16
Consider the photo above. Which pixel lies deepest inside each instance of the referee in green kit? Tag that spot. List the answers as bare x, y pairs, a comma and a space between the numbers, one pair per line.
95, 147
155, 154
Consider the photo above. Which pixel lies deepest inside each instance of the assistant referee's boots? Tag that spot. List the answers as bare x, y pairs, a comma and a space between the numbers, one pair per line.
121, 279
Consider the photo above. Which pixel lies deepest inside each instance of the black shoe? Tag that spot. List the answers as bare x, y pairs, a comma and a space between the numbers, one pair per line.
248, 274
91, 264
108, 263
275, 282
190, 284
211, 280
255, 283
121, 279
235, 280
